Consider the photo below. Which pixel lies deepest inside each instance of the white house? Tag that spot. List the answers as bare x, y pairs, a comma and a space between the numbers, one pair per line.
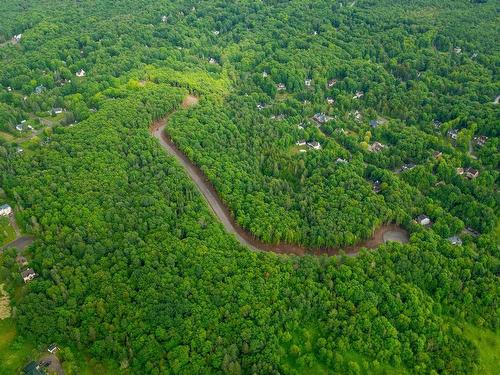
301, 142
314, 145
164, 19
5, 210
423, 220
330, 100
281, 86
28, 275
455, 240
80, 73
359, 94
308, 82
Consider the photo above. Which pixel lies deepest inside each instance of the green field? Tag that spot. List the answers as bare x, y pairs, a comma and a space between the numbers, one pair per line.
7, 233
14, 352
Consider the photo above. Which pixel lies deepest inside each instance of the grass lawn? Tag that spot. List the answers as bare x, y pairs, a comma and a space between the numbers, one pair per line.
489, 349
7, 233
8, 137
14, 353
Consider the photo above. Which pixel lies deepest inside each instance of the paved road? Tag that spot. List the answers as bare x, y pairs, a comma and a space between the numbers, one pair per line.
223, 213
20, 243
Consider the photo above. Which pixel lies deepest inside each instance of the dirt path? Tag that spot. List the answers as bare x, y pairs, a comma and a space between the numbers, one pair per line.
223, 213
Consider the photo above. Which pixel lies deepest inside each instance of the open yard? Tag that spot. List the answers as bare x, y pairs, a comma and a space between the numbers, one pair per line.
14, 353
4, 303
7, 232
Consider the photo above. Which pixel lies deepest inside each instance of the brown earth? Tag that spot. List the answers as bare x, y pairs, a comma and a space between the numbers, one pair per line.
222, 212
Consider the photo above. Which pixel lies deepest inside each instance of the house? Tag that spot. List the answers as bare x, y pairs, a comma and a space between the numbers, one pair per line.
9, 89
455, 240
52, 348
376, 187
357, 115
39, 89
20, 127
308, 82
474, 55
28, 275
265, 74
374, 123
359, 94
278, 117
321, 118
216, 32
33, 368
423, 220
164, 19
471, 173
457, 50
17, 38
281, 86
330, 100
407, 167
212, 61
261, 106
314, 145
80, 73
460, 171
437, 124
331, 83
301, 142
30, 127
19, 150
453, 134
376, 147
56, 111
341, 161
437, 154
480, 140
306, 102
5, 210
22, 261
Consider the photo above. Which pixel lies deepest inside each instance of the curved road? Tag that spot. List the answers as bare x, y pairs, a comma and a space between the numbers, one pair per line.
222, 212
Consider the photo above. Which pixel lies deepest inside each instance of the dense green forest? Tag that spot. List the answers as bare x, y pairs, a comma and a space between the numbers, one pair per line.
136, 271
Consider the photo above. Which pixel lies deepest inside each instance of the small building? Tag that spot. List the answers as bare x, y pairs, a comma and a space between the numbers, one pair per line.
374, 123
437, 124
358, 95
164, 19
330, 100
265, 74
308, 82
423, 220
80, 73
9, 89
321, 118
216, 32
471, 173
457, 50
460, 171
331, 83
341, 161
56, 111
39, 89
407, 167
281, 86
52, 348
28, 275
314, 145
19, 127
474, 55
376, 187
212, 61
437, 154
261, 106
5, 210
357, 115
301, 142
17, 38
480, 140
22, 261
453, 134
376, 147
455, 240
280, 117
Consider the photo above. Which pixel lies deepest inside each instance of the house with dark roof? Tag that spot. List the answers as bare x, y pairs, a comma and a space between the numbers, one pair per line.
321, 118
471, 173
376, 187
33, 368
374, 123
331, 83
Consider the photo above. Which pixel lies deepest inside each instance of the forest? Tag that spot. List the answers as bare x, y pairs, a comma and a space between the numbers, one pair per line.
136, 274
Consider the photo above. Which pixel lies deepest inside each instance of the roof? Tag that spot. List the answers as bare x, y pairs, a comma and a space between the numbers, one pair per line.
32, 368
4, 206
422, 217
28, 272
